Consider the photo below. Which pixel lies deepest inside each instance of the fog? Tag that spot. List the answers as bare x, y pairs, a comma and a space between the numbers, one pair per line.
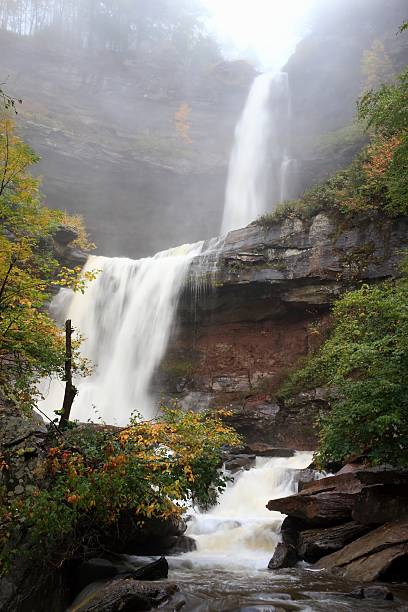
132, 105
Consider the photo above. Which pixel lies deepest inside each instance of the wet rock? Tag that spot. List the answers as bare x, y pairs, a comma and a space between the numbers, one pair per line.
306, 476
127, 595
264, 450
372, 556
316, 543
336, 499
181, 544
92, 570
381, 503
325, 508
284, 556
157, 570
373, 592
290, 529
240, 461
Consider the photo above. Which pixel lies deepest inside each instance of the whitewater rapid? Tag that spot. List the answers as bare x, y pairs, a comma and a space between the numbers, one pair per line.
240, 532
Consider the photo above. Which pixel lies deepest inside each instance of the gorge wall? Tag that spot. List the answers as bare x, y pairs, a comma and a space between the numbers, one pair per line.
264, 309
138, 141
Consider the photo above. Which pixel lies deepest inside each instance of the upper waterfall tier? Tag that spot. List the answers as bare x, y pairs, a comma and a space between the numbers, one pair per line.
259, 163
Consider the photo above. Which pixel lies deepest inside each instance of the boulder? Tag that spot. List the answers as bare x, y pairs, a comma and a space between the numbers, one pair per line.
93, 570
157, 570
338, 499
284, 556
240, 461
372, 592
265, 450
303, 477
321, 509
181, 544
381, 503
372, 556
126, 595
316, 543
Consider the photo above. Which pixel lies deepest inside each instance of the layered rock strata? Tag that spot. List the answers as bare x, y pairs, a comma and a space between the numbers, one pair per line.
329, 523
254, 309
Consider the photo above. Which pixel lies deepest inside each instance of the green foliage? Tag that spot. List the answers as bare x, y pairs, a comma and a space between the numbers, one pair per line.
351, 135
365, 361
31, 345
386, 110
377, 179
95, 476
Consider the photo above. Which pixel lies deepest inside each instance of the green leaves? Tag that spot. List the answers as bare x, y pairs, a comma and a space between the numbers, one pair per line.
95, 475
31, 344
365, 360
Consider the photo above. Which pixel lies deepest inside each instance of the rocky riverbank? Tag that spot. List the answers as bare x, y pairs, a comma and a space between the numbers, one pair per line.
34, 583
354, 524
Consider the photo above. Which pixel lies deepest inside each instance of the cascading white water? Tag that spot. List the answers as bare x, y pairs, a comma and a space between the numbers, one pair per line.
240, 532
246, 184
125, 316
259, 162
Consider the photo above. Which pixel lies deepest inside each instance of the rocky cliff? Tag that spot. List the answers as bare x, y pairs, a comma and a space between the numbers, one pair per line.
264, 306
139, 144
128, 142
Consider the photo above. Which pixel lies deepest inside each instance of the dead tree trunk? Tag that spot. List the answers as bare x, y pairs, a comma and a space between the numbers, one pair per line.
70, 389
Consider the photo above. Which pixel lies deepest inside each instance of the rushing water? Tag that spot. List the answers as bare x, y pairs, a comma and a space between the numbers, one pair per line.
259, 164
125, 317
235, 540
240, 532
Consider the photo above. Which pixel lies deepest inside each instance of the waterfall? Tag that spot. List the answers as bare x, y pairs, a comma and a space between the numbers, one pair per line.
259, 162
240, 532
125, 317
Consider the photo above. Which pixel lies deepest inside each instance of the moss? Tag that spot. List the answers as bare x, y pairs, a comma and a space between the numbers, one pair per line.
177, 368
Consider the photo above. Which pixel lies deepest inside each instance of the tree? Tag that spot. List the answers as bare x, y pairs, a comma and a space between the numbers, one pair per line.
365, 363
97, 479
385, 112
31, 344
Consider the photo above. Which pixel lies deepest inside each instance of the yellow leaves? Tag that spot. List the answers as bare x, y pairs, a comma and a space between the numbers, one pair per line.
189, 473
182, 124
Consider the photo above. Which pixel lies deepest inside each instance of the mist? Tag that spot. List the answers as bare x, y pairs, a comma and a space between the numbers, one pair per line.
133, 106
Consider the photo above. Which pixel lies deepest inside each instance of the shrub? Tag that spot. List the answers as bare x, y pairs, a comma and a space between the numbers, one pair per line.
365, 360
95, 475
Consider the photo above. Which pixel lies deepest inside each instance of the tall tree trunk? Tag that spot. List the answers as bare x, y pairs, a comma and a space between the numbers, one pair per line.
70, 389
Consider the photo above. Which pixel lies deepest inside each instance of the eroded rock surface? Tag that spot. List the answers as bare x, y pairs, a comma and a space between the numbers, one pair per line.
329, 522
372, 556
264, 307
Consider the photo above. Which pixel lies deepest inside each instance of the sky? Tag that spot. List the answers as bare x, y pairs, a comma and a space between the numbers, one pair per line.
264, 31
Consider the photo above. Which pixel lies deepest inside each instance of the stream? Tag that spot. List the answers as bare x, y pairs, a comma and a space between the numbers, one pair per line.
235, 541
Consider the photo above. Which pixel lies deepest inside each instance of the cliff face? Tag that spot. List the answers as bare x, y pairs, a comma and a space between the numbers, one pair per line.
264, 308
139, 144
352, 46
131, 144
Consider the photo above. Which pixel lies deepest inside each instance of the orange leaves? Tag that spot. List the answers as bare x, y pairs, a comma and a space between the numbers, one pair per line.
73, 499
380, 155
182, 124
